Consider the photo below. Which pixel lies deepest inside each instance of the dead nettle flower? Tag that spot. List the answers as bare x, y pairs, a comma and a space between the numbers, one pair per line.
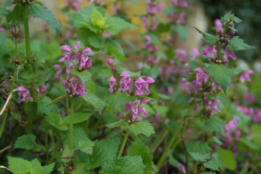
75, 88
2, 29
151, 49
24, 94
245, 76
74, 4
132, 112
249, 97
180, 3
182, 168
113, 67
83, 61
116, 9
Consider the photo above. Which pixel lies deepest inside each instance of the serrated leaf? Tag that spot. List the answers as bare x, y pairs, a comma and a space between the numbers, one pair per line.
57, 100
86, 146
138, 148
97, 18
198, 146
182, 31
19, 165
3, 12
212, 164
27, 142
43, 13
113, 43
16, 16
115, 25
221, 75
84, 75
115, 101
104, 151
227, 159
236, 44
94, 100
81, 169
56, 121
121, 124
67, 154
48, 169
78, 135
142, 127
37, 170
123, 165
214, 124
42, 106
114, 52
95, 40
208, 38
200, 156
79, 117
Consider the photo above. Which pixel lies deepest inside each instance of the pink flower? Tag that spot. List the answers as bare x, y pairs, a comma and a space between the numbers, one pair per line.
112, 81
245, 76
231, 125
161, 5
59, 72
145, 22
152, 7
194, 52
148, 43
146, 84
73, 4
81, 88
181, 54
249, 97
183, 3
182, 17
74, 85
136, 112
209, 50
181, 167
258, 116
116, 9
125, 82
110, 63
218, 24
2, 29
42, 89
67, 55
86, 62
24, 94
229, 54
211, 105
139, 87
154, 24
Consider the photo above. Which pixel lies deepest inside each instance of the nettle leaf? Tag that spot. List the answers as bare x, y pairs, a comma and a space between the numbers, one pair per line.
208, 38
97, 18
227, 159
123, 165
55, 121
57, 100
142, 127
81, 169
67, 154
182, 31
86, 146
19, 165
118, 100
44, 107
121, 124
79, 117
3, 12
115, 25
237, 44
172, 160
212, 164
114, 52
198, 146
43, 13
16, 16
84, 75
48, 169
27, 142
113, 43
94, 100
79, 136
200, 156
221, 75
214, 124
230, 16
104, 151
138, 148
95, 40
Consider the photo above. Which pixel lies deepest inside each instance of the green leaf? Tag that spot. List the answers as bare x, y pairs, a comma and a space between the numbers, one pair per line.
255, 137
27, 142
16, 16
115, 101
3, 12
104, 151
114, 52
182, 31
57, 100
44, 107
79, 136
200, 156
198, 146
37, 170
113, 43
121, 124
172, 161
94, 100
84, 75
19, 165
230, 16
90, 87
227, 159
123, 165
67, 154
221, 75
48, 169
86, 146
138, 148
97, 18
43, 13
142, 127
212, 164
81, 169
214, 124
115, 25
56, 121
95, 40
77, 18
133, 2
161, 109
237, 44
131, 74
3, 48
79, 117
208, 38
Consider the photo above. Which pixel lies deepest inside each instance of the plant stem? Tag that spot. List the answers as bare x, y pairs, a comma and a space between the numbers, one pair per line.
67, 105
71, 124
163, 156
3, 124
46, 146
158, 139
123, 143
26, 35
54, 150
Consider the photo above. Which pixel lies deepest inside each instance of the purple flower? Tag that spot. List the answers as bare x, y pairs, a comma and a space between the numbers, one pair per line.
116, 9
125, 82
182, 17
136, 112
141, 109
194, 52
231, 33
211, 105
112, 81
181, 167
59, 72
245, 76
23, 94
218, 24
2, 29
231, 125
139, 86
68, 55
42, 89
146, 84
181, 54
229, 54
73, 4
145, 22
110, 63
161, 5
154, 24
152, 7
148, 43
86, 62
258, 116
209, 50
249, 97
67, 71
74, 85
81, 88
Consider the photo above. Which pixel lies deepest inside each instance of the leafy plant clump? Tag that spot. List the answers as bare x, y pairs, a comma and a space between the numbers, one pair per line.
69, 105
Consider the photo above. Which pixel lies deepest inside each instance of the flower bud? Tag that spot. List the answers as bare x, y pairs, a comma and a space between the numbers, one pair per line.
231, 33
219, 31
225, 61
110, 62
221, 39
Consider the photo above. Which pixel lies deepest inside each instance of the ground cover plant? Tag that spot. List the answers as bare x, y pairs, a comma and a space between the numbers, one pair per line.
69, 105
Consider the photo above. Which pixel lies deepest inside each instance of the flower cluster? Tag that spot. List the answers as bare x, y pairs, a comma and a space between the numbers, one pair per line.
74, 4
24, 93
151, 49
177, 17
76, 89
